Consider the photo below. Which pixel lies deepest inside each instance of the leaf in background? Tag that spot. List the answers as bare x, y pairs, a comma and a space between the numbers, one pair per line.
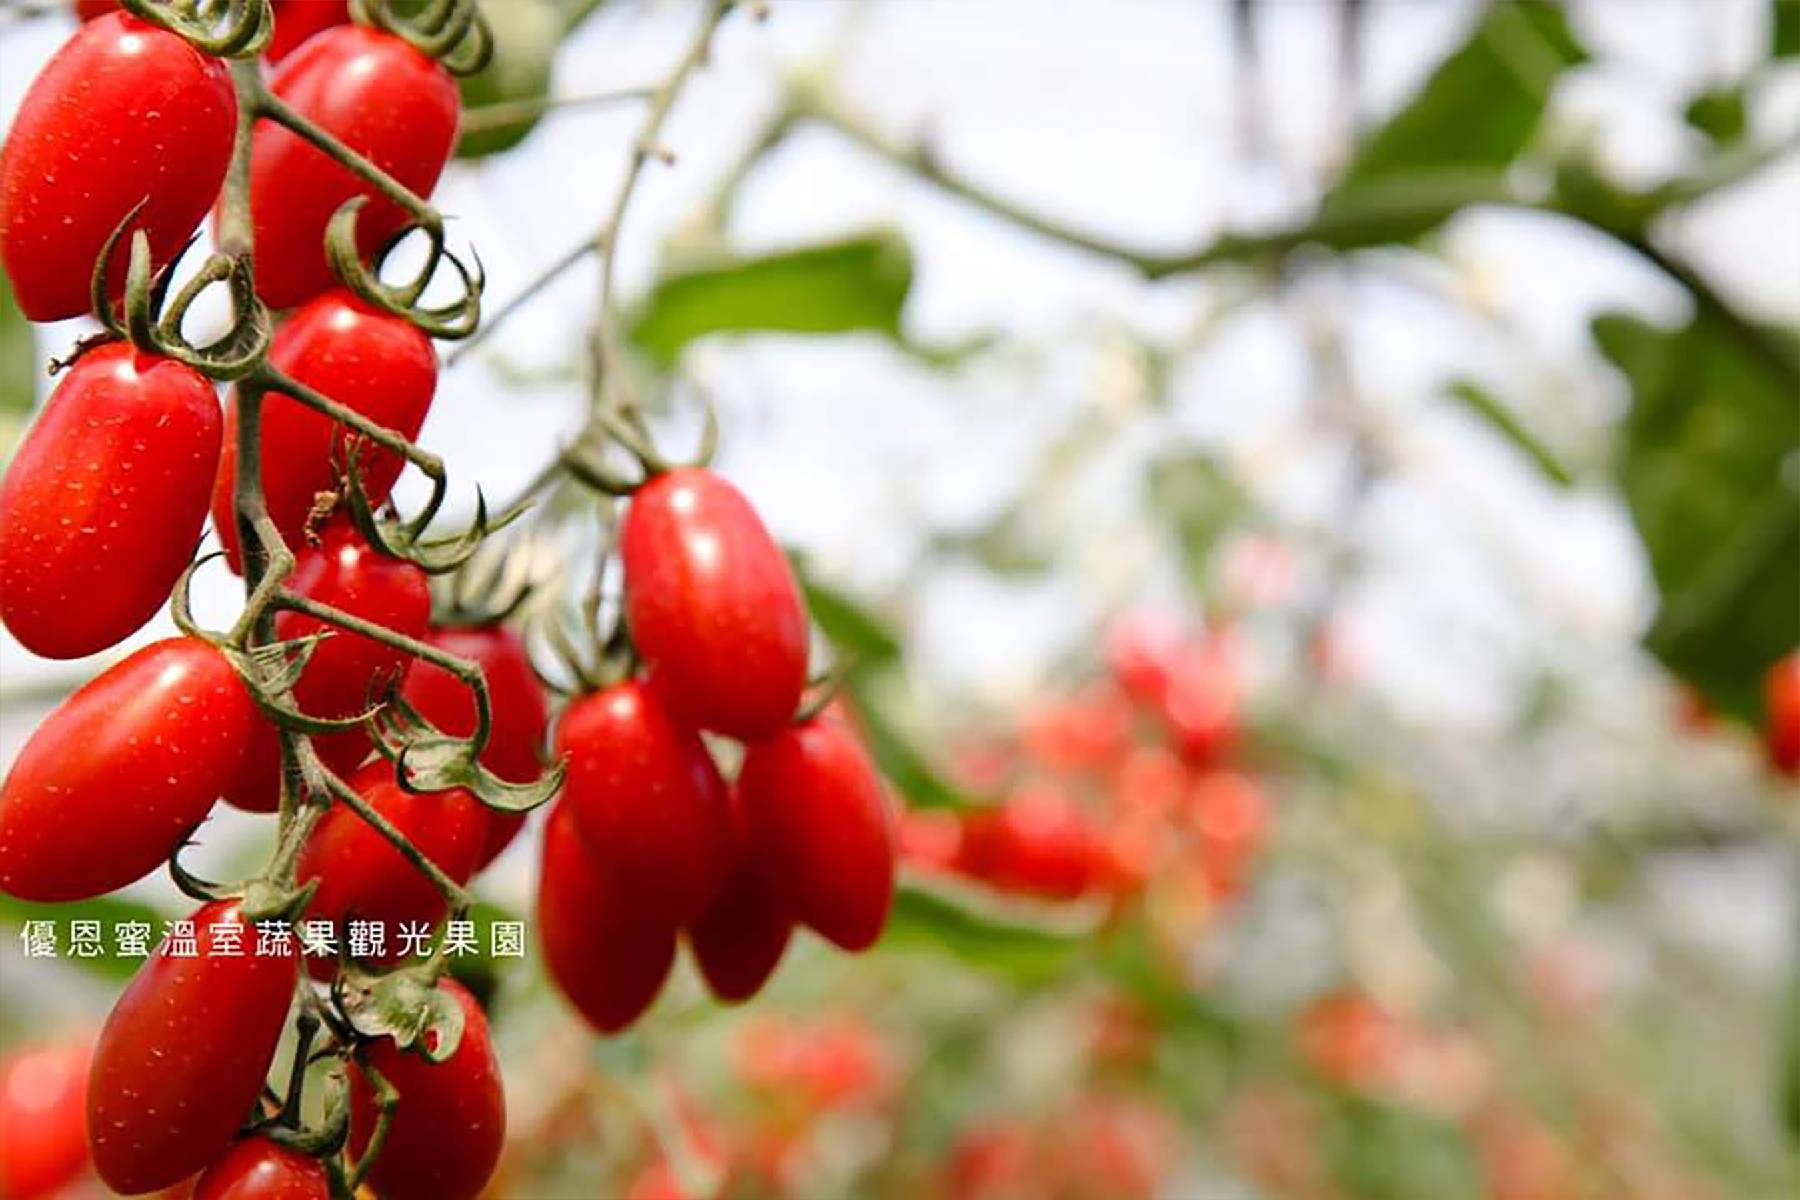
902, 763
1027, 943
862, 636
1784, 19
18, 368
1703, 467
525, 33
1201, 502
857, 284
109, 911
1720, 114
1474, 114
1501, 420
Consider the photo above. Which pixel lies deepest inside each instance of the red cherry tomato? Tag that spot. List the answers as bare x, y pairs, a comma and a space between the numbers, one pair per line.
1781, 721
125, 112
447, 1130
1037, 843
603, 952
1203, 701
363, 877
103, 503
347, 671
297, 20
380, 97
712, 605
818, 821
116, 777
377, 364
259, 1169
182, 1059
646, 799
90, 10
520, 715
43, 1118
738, 941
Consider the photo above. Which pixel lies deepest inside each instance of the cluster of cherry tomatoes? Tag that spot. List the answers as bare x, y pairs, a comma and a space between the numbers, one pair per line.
131, 127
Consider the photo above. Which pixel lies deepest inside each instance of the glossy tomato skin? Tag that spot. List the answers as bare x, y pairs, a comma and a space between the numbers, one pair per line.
297, 20
347, 671
124, 112
646, 799
379, 365
380, 97
818, 821
259, 1169
362, 877
712, 605
43, 1118
1781, 722
448, 1128
182, 1058
519, 711
118, 775
740, 938
604, 953
104, 501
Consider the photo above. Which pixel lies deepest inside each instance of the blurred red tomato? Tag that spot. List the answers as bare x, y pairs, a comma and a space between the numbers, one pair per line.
43, 1118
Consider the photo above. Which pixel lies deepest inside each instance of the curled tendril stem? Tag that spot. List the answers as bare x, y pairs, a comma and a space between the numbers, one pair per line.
239, 29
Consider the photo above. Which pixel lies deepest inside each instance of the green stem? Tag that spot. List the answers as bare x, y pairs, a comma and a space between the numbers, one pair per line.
386, 1100
453, 892
268, 104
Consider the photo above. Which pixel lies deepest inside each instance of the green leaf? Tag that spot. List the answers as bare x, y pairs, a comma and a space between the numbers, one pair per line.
525, 34
1703, 465
1028, 943
109, 911
1384, 1152
1201, 501
1784, 28
1475, 113
18, 367
1501, 420
857, 284
902, 763
1719, 113
861, 635
1787, 1081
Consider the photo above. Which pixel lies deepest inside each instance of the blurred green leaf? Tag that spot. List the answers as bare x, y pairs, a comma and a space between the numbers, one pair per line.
902, 763
1719, 113
109, 911
526, 33
857, 284
1784, 18
18, 367
1788, 1039
1002, 937
1501, 420
1473, 115
1201, 502
861, 635
480, 971
1704, 465
1383, 1152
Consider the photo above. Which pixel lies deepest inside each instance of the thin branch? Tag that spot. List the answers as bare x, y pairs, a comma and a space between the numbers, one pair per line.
494, 116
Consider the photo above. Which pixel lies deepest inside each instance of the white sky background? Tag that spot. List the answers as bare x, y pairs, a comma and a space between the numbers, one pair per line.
1117, 116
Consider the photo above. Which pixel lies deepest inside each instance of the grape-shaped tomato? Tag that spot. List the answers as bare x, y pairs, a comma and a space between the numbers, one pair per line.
377, 364
124, 113
738, 941
43, 1118
818, 821
122, 771
259, 1169
712, 605
380, 97
105, 499
184, 1054
450, 1123
603, 952
646, 798
519, 712
347, 671
363, 877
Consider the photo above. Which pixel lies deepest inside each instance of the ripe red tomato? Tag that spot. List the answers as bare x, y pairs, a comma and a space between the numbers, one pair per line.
520, 714
90, 10
1781, 720
362, 877
604, 953
379, 365
118, 775
347, 671
1202, 704
183, 1056
297, 20
104, 501
259, 1169
124, 112
712, 605
384, 100
43, 1118
738, 941
646, 799
1038, 843
447, 1130
818, 821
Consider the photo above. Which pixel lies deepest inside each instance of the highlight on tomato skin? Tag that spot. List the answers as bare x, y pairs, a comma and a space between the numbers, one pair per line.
104, 500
